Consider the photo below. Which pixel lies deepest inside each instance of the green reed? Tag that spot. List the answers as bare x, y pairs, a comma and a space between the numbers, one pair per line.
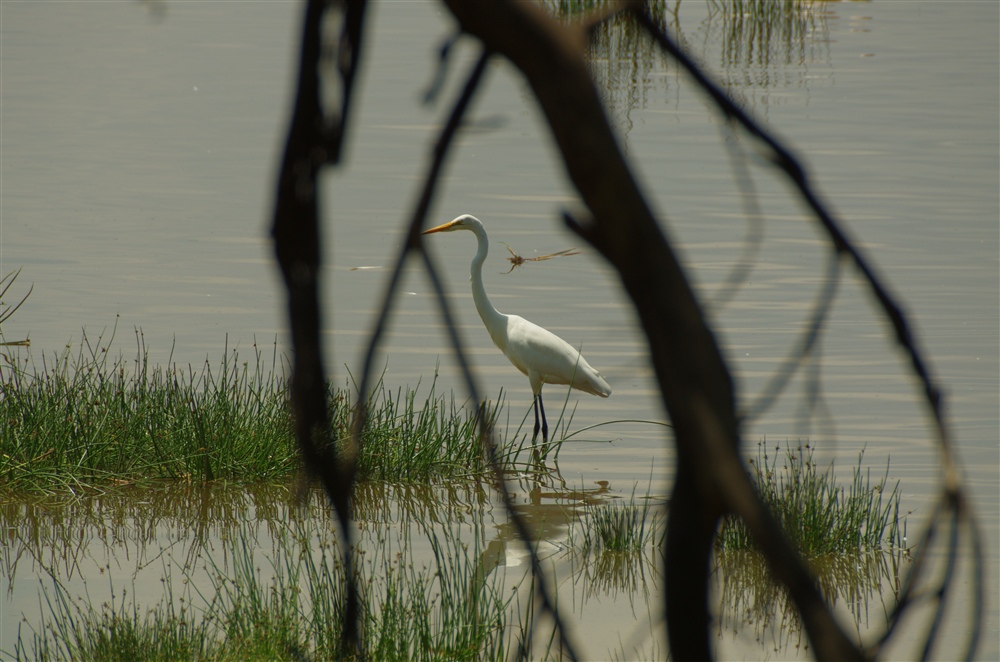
819, 515
409, 437
85, 418
619, 527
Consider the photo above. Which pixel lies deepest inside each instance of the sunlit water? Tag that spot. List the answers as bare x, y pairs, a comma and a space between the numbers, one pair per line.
137, 157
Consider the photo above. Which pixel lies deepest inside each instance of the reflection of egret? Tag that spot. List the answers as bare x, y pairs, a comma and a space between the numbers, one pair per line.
538, 353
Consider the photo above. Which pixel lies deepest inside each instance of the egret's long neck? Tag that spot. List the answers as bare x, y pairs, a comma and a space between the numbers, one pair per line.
492, 318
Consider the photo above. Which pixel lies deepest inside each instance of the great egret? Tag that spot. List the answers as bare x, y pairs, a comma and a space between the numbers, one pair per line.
538, 353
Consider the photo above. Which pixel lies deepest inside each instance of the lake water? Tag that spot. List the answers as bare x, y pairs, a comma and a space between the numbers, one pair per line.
137, 149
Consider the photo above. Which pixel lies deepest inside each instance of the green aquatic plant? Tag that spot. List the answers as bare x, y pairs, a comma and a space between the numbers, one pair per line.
819, 515
407, 437
87, 418
852, 535
612, 544
618, 526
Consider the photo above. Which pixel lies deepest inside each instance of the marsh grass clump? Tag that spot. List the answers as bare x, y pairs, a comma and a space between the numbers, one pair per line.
111, 632
619, 527
819, 515
88, 419
613, 545
850, 534
408, 438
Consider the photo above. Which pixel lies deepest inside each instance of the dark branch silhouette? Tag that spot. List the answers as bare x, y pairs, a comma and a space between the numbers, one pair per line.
314, 141
694, 381
955, 508
696, 386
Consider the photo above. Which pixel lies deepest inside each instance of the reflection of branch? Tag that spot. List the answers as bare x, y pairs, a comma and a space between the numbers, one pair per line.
804, 348
786, 161
755, 222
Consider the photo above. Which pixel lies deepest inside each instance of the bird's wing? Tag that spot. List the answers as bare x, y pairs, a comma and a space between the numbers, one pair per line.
544, 356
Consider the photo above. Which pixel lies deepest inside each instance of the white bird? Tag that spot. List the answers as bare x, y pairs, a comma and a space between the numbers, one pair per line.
538, 353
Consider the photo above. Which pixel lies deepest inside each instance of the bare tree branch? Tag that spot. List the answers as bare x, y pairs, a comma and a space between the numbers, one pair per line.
694, 381
953, 499
314, 141
696, 387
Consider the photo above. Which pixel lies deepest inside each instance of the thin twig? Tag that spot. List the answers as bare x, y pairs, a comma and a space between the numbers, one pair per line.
414, 243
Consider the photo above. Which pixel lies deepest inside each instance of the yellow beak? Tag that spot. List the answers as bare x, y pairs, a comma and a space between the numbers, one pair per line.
441, 228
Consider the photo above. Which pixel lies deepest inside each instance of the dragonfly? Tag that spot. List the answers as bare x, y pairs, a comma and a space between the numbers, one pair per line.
517, 260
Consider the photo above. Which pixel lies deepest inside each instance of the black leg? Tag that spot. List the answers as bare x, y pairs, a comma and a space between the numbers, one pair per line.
535, 433
540, 421
545, 423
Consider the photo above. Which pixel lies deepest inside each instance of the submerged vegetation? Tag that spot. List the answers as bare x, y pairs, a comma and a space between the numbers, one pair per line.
436, 584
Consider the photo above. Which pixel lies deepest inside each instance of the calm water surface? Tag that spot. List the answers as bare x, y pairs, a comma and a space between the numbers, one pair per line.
137, 152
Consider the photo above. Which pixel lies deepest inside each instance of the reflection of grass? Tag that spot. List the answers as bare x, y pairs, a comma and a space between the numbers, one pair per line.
631, 577
280, 600
622, 59
757, 32
287, 607
749, 597
820, 516
762, 44
88, 419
